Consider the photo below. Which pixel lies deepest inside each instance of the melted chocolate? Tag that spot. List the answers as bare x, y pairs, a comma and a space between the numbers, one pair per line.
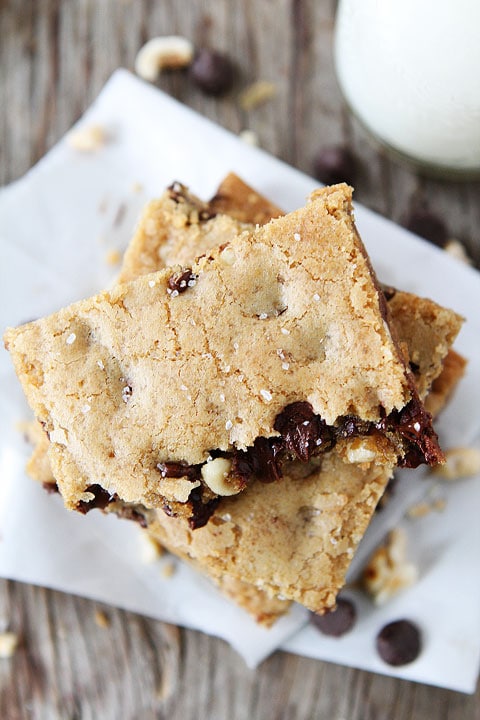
179, 282
101, 499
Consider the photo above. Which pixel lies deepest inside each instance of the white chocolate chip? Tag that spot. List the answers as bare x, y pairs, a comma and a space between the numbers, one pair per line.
87, 139
8, 644
215, 474
461, 462
169, 52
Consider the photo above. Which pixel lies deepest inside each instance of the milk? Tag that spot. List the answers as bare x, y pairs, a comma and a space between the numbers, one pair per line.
410, 71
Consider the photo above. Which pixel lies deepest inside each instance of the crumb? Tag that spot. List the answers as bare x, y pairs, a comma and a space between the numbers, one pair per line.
249, 137
457, 250
169, 569
388, 572
8, 644
89, 138
462, 462
102, 619
419, 510
256, 94
439, 504
150, 549
113, 257
137, 187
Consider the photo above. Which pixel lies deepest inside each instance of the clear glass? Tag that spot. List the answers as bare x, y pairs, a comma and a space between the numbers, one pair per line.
410, 72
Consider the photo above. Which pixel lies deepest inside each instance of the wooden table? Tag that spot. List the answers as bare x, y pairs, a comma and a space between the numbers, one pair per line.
55, 55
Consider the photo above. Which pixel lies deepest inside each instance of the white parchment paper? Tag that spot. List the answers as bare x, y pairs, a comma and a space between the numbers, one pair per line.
57, 226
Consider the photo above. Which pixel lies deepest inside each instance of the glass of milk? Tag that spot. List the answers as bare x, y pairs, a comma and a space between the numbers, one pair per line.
410, 72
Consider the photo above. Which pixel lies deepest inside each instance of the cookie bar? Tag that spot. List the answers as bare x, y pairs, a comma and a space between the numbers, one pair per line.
439, 330
171, 227
179, 227
275, 345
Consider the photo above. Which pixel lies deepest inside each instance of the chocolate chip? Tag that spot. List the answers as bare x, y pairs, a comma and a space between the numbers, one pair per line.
334, 164
428, 225
399, 643
178, 470
304, 434
388, 291
181, 281
201, 511
213, 72
101, 499
129, 512
50, 487
338, 621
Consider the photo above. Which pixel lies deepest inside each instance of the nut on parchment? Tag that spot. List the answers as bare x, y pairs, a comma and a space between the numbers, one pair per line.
169, 52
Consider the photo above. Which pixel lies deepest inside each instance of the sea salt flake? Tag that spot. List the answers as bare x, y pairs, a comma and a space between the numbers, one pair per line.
228, 425
266, 395
71, 339
296, 236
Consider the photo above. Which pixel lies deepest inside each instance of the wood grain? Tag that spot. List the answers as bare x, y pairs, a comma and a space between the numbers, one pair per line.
55, 55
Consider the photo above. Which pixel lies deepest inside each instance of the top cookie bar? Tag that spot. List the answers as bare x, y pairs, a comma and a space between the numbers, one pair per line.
275, 345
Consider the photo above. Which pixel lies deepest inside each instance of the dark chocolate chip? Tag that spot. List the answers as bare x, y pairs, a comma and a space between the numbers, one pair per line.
334, 164
388, 291
128, 512
178, 470
179, 282
101, 499
338, 621
304, 434
399, 643
428, 225
201, 511
213, 72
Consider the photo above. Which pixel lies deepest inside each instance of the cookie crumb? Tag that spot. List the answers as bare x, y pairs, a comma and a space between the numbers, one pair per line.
113, 257
137, 187
102, 619
8, 644
388, 571
150, 549
89, 138
169, 569
249, 137
256, 94
461, 462
419, 510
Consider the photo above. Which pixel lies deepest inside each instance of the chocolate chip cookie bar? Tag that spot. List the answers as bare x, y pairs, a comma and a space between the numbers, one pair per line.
181, 386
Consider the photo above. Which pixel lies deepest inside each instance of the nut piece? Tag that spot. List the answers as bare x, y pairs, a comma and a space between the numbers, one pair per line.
461, 462
215, 474
256, 94
87, 139
358, 451
101, 619
457, 250
249, 137
170, 52
388, 572
8, 644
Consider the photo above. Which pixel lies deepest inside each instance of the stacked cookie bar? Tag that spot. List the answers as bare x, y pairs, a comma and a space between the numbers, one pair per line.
245, 391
